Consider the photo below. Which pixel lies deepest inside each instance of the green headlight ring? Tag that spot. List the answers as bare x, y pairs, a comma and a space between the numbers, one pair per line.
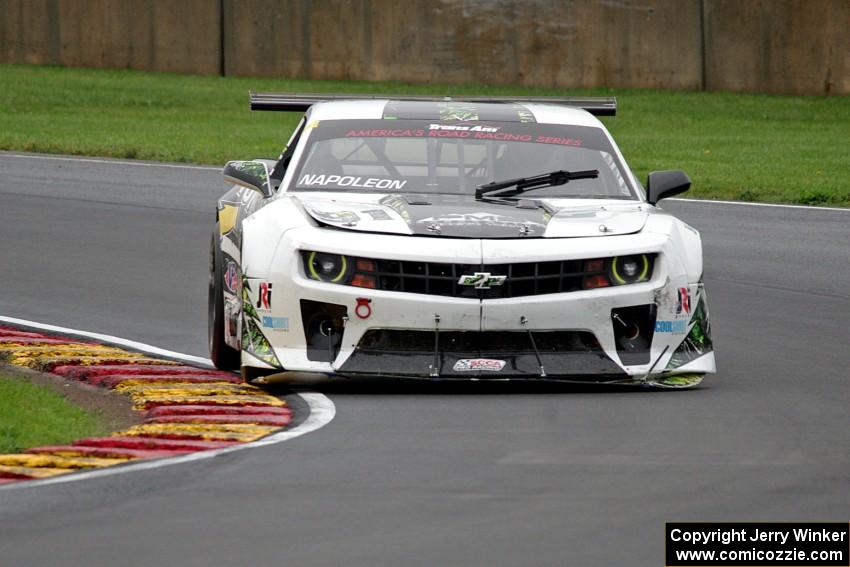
619, 280
315, 275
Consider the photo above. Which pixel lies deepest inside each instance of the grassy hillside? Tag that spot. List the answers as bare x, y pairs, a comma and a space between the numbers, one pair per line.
734, 146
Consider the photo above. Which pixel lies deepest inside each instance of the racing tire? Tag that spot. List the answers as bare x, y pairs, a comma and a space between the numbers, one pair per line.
223, 356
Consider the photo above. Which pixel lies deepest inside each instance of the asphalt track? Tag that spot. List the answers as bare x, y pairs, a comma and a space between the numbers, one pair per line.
472, 474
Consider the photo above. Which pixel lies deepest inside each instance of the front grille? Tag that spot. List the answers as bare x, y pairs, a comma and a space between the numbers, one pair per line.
434, 278
424, 277
522, 278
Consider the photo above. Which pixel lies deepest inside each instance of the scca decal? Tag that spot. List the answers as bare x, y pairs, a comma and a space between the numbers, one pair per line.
473, 364
671, 326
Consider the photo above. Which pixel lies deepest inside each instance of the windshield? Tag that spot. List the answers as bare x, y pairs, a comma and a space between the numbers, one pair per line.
426, 156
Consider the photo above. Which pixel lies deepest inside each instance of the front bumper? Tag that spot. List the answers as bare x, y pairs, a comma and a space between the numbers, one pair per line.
572, 336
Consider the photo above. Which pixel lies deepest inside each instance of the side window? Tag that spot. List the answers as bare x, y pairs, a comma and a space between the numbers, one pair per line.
286, 155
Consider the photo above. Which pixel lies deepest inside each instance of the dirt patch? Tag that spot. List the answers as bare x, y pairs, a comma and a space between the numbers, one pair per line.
115, 409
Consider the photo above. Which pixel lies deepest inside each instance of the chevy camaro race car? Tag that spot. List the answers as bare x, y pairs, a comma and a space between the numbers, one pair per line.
442, 238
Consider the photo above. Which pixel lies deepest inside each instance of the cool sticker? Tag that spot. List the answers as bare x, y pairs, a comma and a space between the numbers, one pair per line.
676, 327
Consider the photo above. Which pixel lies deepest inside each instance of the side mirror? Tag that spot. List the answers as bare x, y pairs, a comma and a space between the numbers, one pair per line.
663, 184
251, 174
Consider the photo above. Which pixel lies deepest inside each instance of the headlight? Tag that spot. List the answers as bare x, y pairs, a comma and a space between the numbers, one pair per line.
338, 269
328, 267
629, 269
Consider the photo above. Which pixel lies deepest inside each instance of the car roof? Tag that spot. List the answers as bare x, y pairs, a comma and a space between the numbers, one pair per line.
452, 110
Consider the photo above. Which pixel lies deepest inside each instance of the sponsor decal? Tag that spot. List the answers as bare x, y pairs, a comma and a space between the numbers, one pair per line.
558, 141
245, 195
502, 137
458, 111
397, 204
336, 216
381, 133
482, 280
227, 218
351, 181
253, 339
683, 305
265, 299
477, 219
231, 277
677, 327
378, 214
477, 364
363, 309
276, 323
255, 168
698, 341
454, 131
476, 128
507, 124
231, 317
524, 114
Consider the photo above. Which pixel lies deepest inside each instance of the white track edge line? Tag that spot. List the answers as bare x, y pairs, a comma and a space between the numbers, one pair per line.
150, 349
322, 411
212, 168
749, 204
112, 161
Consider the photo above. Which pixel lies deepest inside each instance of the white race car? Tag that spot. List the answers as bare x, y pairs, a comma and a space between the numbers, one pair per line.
440, 238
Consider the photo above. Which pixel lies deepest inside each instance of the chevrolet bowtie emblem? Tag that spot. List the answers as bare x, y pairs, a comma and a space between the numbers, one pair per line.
482, 280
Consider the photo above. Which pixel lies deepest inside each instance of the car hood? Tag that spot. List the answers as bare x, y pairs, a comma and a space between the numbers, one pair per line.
463, 217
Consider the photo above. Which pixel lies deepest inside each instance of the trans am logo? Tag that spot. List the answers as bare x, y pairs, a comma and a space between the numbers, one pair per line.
231, 278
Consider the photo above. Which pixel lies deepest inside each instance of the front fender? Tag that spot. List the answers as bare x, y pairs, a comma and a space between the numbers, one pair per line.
263, 231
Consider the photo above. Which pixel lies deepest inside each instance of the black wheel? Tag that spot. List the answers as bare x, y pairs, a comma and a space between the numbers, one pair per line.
223, 356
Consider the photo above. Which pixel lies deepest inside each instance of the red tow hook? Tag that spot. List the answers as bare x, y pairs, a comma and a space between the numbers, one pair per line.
363, 309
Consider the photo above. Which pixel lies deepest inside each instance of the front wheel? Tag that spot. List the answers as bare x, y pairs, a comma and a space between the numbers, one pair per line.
222, 355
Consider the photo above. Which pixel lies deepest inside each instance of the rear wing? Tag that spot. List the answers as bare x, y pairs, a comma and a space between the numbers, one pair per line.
300, 102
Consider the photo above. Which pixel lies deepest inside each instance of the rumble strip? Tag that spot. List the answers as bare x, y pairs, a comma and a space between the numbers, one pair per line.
187, 408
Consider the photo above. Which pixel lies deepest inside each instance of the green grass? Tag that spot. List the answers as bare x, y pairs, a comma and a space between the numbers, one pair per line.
734, 146
32, 415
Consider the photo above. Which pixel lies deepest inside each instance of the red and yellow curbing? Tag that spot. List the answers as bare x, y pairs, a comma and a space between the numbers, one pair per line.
187, 409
